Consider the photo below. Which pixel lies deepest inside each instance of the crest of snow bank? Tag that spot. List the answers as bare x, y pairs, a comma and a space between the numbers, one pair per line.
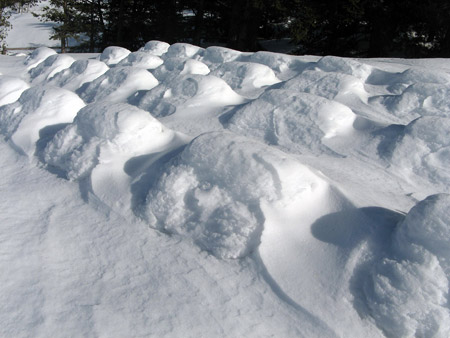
113, 55
189, 93
423, 149
117, 84
45, 70
299, 122
103, 133
37, 56
11, 88
37, 108
212, 192
407, 292
79, 73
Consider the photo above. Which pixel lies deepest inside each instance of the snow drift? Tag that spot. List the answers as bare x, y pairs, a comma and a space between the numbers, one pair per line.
303, 178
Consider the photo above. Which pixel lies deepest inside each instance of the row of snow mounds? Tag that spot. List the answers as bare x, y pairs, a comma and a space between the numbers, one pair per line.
101, 140
215, 190
407, 291
24, 121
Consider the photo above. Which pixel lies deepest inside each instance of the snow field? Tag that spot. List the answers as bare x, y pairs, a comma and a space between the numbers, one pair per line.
262, 158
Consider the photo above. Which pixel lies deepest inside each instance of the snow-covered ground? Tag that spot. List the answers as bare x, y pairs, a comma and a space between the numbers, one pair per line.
180, 191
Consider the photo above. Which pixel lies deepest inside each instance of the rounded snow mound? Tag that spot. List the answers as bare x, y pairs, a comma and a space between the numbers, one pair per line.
50, 67
189, 93
141, 60
117, 84
299, 122
246, 78
284, 66
172, 67
155, 47
79, 73
11, 88
213, 190
420, 75
416, 100
37, 56
328, 85
183, 50
113, 55
407, 294
424, 150
103, 133
344, 65
219, 55
37, 108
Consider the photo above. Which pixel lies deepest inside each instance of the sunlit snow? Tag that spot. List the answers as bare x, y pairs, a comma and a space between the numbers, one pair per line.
186, 192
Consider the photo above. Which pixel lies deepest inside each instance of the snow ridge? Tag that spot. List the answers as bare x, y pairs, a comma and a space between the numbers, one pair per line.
329, 176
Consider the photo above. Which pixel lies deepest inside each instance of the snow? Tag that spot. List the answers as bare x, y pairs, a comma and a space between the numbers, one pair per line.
181, 191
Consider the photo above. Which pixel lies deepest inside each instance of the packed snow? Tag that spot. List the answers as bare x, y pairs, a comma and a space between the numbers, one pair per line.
183, 191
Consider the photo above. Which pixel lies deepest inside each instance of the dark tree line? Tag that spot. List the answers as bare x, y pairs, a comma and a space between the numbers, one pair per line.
408, 28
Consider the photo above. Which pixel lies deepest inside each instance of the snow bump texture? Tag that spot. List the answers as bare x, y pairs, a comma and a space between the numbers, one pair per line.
317, 169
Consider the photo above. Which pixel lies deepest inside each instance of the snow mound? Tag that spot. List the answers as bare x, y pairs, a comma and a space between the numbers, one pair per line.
79, 73
219, 55
190, 93
416, 100
183, 50
104, 136
11, 88
407, 293
113, 55
296, 121
49, 68
37, 56
212, 192
36, 109
423, 149
141, 60
173, 67
345, 66
284, 66
154, 47
333, 86
117, 84
246, 78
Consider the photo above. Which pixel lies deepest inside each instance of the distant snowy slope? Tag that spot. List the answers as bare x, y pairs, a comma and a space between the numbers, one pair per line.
182, 191
28, 31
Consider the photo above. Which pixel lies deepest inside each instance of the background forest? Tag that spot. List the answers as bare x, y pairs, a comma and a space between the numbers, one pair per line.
364, 28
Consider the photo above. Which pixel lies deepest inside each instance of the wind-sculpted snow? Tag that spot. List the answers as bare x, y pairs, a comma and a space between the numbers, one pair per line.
307, 175
113, 55
407, 292
117, 85
423, 149
298, 122
189, 93
154, 47
246, 78
37, 56
174, 67
214, 189
11, 88
141, 60
101, 139
183, 50
49, 68
36, 109
79, 73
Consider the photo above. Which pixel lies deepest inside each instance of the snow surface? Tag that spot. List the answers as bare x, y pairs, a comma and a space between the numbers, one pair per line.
181, 191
